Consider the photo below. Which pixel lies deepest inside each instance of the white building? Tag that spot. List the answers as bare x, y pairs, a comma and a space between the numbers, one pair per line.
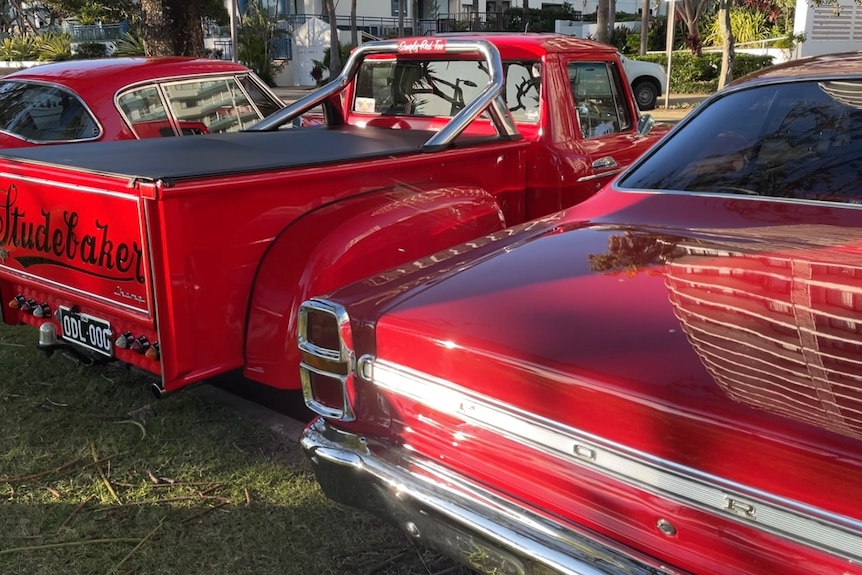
828, 28
428, 8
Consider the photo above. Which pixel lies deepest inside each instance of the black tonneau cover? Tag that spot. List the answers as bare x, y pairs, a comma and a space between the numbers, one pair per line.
223, 154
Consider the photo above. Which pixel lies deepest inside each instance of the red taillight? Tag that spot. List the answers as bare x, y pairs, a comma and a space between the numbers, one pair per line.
326, 370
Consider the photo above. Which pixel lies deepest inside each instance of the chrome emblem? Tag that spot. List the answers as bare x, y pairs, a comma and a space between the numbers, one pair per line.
741, 508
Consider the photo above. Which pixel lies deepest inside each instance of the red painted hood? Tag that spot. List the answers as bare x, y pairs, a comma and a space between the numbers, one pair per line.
731, 346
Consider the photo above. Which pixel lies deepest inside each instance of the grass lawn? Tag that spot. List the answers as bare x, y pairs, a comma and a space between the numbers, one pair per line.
97, 477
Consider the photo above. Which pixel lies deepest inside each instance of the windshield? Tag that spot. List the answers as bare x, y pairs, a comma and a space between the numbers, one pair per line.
442, 87
794, 140
40, 112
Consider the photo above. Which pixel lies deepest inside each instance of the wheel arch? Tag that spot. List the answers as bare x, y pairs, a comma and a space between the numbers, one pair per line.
345, 241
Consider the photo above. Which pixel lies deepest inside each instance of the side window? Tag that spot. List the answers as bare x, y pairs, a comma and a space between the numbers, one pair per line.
523, 82
795, 140
210, 106
260, 98
145, 112
598, 98
44, 113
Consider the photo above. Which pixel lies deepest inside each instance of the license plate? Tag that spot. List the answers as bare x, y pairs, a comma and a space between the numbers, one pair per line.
88, 331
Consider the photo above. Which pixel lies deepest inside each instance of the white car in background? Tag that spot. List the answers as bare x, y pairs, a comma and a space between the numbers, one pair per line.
648, 80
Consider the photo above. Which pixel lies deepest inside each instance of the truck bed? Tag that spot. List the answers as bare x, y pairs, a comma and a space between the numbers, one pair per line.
223, 154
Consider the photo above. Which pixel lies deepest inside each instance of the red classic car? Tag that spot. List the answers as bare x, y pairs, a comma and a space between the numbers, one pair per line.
128, 98
664, 379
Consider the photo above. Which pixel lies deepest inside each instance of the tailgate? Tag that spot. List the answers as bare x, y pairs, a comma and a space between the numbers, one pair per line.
89, 241
73, 250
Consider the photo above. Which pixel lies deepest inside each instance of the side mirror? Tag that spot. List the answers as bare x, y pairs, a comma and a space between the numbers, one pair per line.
645, 124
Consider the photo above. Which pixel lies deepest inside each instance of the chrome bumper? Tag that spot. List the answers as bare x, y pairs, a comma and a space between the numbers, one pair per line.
450, 513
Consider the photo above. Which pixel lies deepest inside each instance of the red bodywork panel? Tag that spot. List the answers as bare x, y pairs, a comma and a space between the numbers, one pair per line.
743, 387
664, 379
226, 250
191, 285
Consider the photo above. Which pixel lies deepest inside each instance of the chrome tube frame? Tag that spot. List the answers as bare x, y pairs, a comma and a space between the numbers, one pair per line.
490, 98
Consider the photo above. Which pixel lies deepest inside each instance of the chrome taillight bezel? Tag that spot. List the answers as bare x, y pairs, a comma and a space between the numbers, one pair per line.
336, 364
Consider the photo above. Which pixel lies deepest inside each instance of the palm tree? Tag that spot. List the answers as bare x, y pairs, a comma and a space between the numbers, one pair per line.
603, 33
334, 51
728, 53
172, 27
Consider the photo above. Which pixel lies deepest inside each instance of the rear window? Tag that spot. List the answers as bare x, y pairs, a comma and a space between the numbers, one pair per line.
442, 88
44, 113
796, 140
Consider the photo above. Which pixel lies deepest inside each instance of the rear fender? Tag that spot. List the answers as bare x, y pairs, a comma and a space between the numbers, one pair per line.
345, 241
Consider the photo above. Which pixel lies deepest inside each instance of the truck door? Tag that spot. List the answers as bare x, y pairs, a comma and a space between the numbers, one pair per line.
605, 125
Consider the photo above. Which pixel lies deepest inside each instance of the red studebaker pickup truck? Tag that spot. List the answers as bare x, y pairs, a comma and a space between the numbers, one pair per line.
664, 379
189, 257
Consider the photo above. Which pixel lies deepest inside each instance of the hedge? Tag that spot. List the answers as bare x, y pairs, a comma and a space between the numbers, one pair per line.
691, 74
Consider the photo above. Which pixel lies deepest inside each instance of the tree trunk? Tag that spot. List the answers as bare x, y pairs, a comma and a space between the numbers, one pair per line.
25, 23
334, 48
612, 18
603, 35
728, 53
526, 5
172, 27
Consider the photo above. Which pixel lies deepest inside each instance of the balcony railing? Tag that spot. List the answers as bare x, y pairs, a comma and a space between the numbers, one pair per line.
512, 20
98, 32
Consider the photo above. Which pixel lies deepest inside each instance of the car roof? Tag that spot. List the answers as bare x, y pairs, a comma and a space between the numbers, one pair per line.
531, 45
845, 65
107, 75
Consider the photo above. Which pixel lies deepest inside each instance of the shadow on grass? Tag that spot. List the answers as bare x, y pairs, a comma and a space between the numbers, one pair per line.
98, 477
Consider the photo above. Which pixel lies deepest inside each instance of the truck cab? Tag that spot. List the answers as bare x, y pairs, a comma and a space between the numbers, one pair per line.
190, 260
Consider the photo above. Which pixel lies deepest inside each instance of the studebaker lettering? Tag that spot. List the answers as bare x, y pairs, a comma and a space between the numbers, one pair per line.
63, 244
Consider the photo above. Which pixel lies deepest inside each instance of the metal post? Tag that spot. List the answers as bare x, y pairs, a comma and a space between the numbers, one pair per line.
233, 19
670, 28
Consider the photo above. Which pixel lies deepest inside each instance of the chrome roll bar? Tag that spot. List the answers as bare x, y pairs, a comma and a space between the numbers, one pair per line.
490, 98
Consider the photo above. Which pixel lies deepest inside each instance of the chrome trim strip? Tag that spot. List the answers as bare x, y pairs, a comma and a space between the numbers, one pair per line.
601, 175
77, 188
729, 196
43, 282
461, 518
829, 532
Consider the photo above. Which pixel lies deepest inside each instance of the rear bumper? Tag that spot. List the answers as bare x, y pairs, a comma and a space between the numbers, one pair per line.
462, 519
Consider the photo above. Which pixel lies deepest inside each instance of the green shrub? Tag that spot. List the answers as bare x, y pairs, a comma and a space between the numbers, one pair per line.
91, 50
18, 48
619, 38
130, 45
690, 74
253, 49
55, 46
344, 51
748, 25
